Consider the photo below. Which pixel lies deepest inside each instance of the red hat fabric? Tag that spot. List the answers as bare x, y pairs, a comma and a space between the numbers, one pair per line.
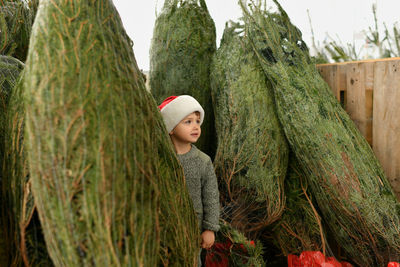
166, 101
176, 108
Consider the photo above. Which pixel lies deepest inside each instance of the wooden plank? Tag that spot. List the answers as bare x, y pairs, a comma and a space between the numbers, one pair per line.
368, 105
360, 77
342, 84
361, 61
328, 73
342, 70
335, 77
386, 122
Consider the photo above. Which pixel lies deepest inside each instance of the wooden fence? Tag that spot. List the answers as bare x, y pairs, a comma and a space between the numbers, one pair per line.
370, 92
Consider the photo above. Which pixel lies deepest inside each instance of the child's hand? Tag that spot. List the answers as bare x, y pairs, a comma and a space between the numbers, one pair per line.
207, 239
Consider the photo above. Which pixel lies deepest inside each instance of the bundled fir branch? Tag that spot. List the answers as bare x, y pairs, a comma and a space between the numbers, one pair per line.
252, 153
346, 179
300, 228
108, 188
25, 241
235, 248
16, 20
181, 51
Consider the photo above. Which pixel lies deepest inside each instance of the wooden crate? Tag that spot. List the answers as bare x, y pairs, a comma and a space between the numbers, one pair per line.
370, 92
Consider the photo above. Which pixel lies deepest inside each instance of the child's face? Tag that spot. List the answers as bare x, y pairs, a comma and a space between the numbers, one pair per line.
188, 130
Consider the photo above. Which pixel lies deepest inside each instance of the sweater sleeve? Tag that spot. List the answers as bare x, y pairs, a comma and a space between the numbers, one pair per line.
210, 198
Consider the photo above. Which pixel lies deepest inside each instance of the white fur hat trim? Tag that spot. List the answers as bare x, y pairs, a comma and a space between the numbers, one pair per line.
177, 109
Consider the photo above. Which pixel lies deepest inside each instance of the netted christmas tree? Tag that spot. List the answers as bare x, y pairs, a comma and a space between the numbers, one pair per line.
22, 232
108, 188
24, 238
16, 18
182, 47
10, 69
345, 178
300, 227
252, 153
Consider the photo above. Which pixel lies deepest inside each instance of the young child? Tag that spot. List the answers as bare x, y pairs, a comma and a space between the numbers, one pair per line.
183, 116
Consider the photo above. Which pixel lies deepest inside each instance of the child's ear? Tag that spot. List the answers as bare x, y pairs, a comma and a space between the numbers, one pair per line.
171, 132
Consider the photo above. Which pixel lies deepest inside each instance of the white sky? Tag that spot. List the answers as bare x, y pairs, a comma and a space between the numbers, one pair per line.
341, 19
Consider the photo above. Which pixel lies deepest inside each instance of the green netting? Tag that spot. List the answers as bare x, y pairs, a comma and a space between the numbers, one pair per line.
252, 153
25, 242
300, 228
106, 183
16, 20
181, 51
347, 181
10, 69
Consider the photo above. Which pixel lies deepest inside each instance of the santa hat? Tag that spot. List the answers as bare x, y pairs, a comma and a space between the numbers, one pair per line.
176, 108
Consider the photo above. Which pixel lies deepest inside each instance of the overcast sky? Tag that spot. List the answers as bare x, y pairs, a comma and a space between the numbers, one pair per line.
341, 19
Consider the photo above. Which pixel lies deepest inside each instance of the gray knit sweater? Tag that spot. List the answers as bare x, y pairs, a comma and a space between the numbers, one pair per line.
202, 186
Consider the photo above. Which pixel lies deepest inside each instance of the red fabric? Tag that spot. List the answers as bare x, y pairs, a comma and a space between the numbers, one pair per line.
314, 259
216, 260
293, 261
333, 262
311, 258
166, 102
393, 264
218, 255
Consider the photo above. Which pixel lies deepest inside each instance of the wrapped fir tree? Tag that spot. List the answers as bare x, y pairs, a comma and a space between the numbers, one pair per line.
181, 51
108, 188
345, 178
252, 153
24, 238
300, 227
16, 18
10, 69
23, 235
